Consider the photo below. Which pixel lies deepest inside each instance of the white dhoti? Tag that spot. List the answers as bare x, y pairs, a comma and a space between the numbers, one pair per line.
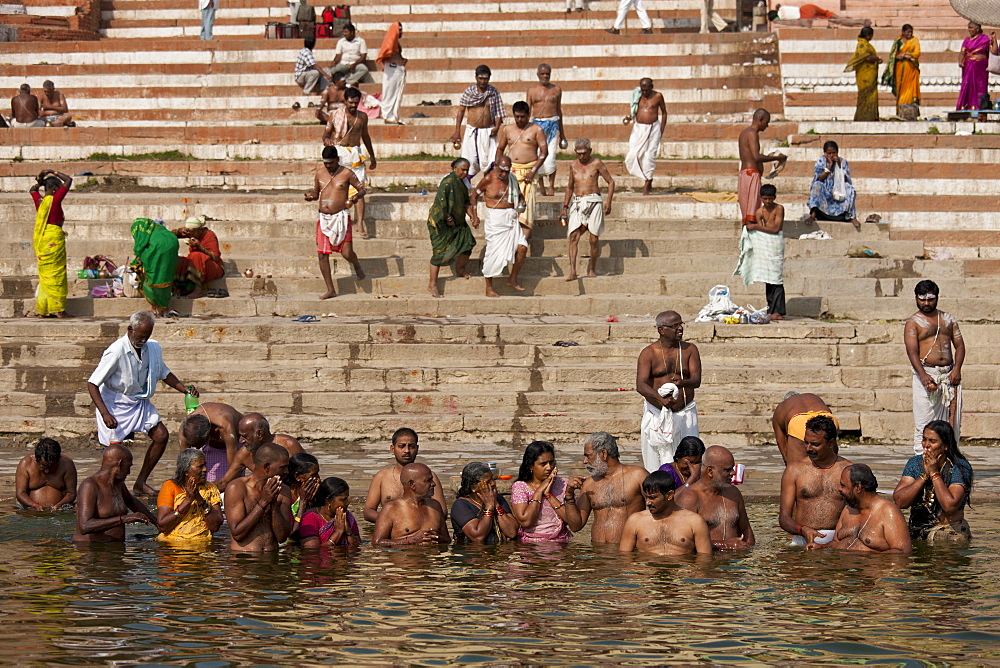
393, 81
825, 536
479, 147
662, 430
132, 415
643, 146
936, 405
353, 158
503, 236
586, 211
335, 226
550, 126
640, 9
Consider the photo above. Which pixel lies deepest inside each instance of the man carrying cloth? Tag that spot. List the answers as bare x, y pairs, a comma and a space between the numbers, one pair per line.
505, 243
451, 238
667, 374
486, 113
49, 242
584, 208
527, 148
929, 336
121, 388
752, 164
648, 112
333, 186
347, 128
545, 101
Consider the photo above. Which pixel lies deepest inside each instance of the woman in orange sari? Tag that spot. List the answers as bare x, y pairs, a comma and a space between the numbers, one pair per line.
203, 262
902, 73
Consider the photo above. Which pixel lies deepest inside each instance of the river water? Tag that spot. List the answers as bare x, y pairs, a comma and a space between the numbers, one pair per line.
154, 604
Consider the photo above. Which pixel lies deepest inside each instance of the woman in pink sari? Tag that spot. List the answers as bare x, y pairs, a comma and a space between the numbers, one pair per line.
539, 501
973, 61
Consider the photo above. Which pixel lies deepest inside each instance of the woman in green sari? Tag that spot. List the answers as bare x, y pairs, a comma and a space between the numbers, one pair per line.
451, 238
155, 261
865, 64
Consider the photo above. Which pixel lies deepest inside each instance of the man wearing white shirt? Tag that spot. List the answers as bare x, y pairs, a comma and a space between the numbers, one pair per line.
121, 387
350, 56
207, 8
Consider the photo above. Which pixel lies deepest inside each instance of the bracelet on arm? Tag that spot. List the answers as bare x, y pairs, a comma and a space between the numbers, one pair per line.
488, 513
935, 475
500, 512
558, 507
535, 501
569, 499
799, 530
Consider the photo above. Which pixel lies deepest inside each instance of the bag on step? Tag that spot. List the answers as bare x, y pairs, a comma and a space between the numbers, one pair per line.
272, 30
306, 13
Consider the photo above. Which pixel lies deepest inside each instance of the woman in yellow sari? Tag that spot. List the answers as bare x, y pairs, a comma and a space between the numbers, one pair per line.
902, 73
865, 64
49, 243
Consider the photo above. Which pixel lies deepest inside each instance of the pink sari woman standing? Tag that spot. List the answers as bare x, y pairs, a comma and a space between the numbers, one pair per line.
973, 61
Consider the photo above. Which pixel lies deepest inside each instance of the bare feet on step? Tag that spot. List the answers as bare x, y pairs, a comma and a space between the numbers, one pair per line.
328, 295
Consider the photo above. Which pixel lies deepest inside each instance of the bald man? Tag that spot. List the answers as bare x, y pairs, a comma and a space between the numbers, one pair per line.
718, 501
752, 164
789, 423
254, 431
259, 508
214, 428
415, 518
104, 502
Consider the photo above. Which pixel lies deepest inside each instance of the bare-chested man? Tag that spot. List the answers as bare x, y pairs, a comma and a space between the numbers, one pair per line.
259, 507
385, 486
648, 114
545, 101
214, 428
104, 502
416, 517
525, 145
667, 374
752, 166
929, 336
24, 109
584, 209
254, 431
810, 498
54, 110
505, 242
483, 111
868, 523
613, 491
347, 129
718, 501
332, 98
47, 479
332, 187
789, 423
664, 528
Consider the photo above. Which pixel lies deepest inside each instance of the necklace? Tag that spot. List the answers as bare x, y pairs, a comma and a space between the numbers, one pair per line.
680, 362
934, 342
858, 535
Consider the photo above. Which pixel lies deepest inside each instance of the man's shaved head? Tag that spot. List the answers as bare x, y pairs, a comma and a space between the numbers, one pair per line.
269, 453
646, 80
114, 454
255, 421
503, 161
412, 471
717, 457
761, 115
544, 67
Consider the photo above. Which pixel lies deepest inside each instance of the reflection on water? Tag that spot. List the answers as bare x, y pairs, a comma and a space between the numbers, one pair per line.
152, 603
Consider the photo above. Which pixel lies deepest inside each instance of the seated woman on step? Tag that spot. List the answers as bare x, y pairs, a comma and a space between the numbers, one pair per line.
203, 262
831, 196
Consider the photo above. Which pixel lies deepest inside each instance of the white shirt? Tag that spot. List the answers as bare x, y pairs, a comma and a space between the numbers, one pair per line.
351, 52
121, 370
788, 13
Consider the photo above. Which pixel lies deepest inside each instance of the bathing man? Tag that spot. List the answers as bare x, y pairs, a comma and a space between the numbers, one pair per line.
214, 428
613, 491
583, 208
259, 507
416, 517
664, 528
47, 479
103, 504
719, 501
789, 423
385, 486
254, 431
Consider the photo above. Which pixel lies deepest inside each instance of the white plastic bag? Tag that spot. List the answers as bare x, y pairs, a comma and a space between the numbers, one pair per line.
719, 305
839, 189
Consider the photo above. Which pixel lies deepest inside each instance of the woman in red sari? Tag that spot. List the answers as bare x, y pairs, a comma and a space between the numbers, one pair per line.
973, 61
204, 260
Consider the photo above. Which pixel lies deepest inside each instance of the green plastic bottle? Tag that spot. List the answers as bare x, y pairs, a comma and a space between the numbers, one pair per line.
190, 401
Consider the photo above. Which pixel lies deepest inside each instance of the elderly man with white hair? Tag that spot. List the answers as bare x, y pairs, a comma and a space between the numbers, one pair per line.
121, 388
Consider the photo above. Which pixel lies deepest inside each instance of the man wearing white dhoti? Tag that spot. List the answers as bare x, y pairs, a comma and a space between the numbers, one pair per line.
930, 336
390, 57
121, 388
505, 242
667, 374
485, 114
584, 208
648, 113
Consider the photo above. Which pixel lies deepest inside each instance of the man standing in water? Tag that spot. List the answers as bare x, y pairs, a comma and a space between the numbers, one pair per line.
545, 100
613, 491
718, 501
259, 508
869, 523
930, 336
219, 439
667, 374
789, 423
47, 479
104, 501
811, 502
333, 228
254, 431
386, 485
415, 518
664, 528
648, 113
584, 209
752, 165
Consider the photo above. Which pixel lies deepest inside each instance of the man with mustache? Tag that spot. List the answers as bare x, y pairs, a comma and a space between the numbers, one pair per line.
612, 492
869, 523
664, 528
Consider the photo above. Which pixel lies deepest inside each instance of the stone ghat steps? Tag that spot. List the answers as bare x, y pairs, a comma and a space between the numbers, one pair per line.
923, 14
381, 8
